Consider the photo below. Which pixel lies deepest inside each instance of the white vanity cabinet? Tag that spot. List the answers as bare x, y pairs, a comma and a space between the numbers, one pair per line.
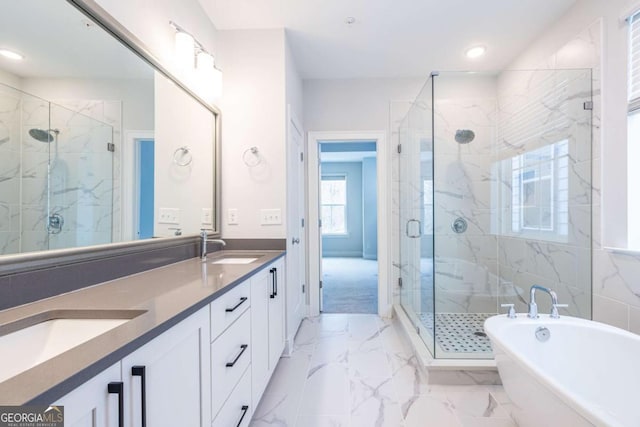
91, 404
230, 350
167, 380
267, 325
164, 383
209, 370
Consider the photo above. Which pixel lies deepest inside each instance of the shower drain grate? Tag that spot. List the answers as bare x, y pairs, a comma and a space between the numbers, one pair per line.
459, 332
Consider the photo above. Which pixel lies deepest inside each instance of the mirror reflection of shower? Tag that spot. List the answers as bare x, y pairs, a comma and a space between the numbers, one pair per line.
56, 176
464, 136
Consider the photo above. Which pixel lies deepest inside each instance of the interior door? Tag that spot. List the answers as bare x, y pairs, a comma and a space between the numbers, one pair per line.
296, 270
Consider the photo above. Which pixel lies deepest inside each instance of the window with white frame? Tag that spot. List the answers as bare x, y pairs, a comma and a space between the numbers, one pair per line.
633, 133
540, 190
333, 200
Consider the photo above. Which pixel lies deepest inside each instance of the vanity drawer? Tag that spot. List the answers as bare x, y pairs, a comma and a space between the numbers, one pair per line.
238, 407
229, 307
230, 357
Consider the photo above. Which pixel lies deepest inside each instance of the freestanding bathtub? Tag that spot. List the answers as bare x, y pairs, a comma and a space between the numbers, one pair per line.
586, 373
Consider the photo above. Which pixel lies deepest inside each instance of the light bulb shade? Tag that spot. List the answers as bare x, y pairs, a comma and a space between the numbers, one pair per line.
209, 77
204, 62
185, 48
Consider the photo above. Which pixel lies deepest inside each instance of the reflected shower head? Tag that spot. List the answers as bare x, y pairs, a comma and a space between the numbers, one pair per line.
464, 136
44, 135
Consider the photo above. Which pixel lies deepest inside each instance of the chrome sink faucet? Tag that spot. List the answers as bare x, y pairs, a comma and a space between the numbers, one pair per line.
203, 243
533, 307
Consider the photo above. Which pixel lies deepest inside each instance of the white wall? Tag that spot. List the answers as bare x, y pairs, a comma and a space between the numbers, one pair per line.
10, 79
293, 82
616, 287
253, 105
354, 104
187, 188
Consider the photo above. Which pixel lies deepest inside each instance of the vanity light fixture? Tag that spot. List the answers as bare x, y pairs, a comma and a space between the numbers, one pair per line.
185, 49
190, 52
475, 52
209, 77
10, 54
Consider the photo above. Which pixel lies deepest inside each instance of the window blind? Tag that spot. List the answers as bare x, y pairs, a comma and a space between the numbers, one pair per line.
634, 62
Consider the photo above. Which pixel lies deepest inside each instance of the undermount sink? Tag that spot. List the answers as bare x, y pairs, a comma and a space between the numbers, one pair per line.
235, 260
31, 341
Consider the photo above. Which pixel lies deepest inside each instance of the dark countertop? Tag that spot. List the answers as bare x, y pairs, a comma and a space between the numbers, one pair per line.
167, 295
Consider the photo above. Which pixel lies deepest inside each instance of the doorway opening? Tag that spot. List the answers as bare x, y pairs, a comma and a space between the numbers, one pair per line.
145, 154
349, 232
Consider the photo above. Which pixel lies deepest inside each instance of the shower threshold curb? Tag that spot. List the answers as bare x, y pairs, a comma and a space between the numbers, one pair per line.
447, 371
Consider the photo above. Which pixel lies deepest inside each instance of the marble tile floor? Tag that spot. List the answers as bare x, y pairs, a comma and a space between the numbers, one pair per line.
356, 370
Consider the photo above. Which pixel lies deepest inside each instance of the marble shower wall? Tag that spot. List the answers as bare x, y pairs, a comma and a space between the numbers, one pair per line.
100, 122
465, 270
72, 175
565, 263
10, 111
544, 223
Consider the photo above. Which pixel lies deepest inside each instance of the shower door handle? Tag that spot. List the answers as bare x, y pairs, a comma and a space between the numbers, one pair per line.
414, 236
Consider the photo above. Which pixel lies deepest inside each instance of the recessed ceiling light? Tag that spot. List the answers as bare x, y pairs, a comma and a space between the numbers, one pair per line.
349, 20
475, 52
11, 54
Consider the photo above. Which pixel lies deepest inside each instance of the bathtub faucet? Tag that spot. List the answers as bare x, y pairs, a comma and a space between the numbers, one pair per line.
533, 307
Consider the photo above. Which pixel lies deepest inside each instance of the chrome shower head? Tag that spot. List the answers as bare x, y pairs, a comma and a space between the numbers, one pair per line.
44, 135
464, 136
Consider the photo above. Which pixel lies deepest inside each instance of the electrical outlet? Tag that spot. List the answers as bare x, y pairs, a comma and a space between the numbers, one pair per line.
206, 217
169, 216
232, 216
270, 216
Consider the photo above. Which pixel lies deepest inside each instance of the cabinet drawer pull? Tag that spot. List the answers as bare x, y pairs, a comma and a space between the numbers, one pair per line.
243, 347
242, 300
118, 388
245, 408
140, 371
273, 283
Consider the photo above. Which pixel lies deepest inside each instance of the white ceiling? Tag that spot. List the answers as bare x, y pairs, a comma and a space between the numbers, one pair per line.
59, 41
393, 38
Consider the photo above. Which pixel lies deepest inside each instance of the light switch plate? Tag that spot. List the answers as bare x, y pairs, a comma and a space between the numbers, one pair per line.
206, 216
169, 216
270, 216
232, 216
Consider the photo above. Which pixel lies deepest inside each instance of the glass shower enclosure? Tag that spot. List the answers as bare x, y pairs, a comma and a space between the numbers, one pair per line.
495, 196
56, 175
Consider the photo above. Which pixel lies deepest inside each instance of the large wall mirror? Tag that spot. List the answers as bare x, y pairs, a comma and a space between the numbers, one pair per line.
97, 146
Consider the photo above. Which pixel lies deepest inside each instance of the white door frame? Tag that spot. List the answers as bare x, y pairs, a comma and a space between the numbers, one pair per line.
383, 171
128, 192
295, 263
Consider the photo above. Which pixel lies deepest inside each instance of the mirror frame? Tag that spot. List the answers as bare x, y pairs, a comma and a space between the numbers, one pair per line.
16, 263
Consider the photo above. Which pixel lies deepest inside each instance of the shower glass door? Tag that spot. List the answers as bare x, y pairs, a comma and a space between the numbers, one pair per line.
80, 180
512, 199
495, 195
416, 215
